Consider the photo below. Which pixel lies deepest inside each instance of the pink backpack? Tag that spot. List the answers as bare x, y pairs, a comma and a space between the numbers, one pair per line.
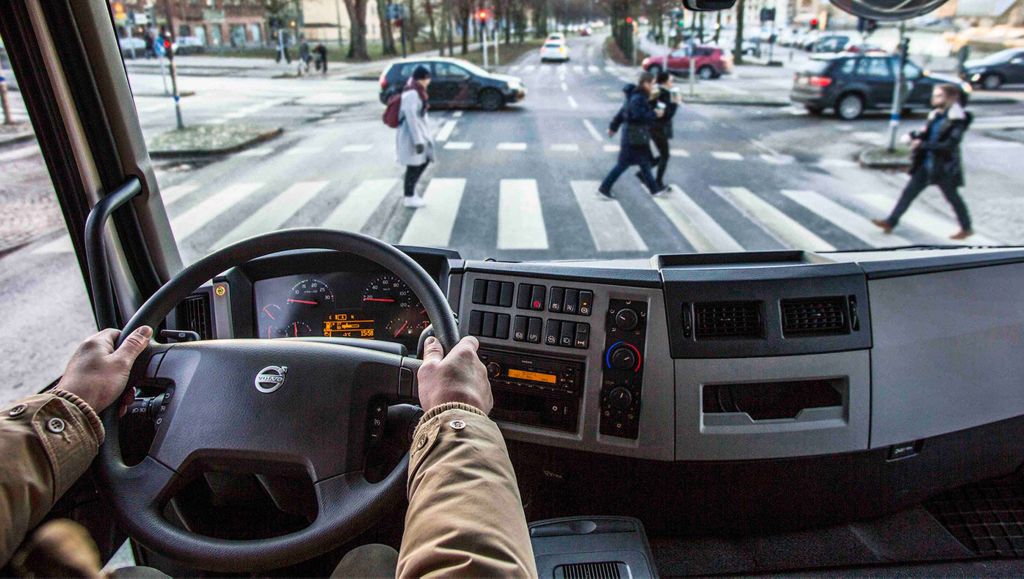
392, 111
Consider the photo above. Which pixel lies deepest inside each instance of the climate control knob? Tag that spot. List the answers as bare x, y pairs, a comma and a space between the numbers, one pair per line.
626, 319
620, 398
493, 369
622, 357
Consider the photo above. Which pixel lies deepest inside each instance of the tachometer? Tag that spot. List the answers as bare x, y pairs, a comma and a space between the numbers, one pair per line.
310, 292
407, 325
403, 315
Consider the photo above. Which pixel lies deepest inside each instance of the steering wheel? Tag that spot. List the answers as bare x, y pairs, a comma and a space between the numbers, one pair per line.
267, 404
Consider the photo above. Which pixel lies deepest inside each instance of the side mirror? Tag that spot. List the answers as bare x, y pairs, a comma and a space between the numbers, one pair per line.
1018, 60
888, 10
708, 5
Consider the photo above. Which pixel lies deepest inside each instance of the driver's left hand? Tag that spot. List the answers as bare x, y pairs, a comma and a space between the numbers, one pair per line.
98, 373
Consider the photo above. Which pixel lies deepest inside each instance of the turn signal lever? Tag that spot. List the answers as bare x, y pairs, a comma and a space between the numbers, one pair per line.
139, 423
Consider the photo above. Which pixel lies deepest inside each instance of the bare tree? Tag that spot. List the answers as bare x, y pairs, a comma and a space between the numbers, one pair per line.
409, 24
737, 51
428, 8
387, 37
357, 17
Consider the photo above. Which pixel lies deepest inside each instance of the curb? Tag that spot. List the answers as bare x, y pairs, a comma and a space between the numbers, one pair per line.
1008, 135
865, 160
4, 140
192, 153
698, 100
148, 95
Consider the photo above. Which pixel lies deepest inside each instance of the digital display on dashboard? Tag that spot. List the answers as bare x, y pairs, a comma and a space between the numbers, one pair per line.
368, 305
532, 376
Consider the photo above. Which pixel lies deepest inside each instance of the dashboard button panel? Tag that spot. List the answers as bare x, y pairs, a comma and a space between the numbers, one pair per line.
622, 368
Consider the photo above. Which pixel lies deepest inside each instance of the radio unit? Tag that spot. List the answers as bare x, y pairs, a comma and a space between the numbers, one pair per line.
534, 390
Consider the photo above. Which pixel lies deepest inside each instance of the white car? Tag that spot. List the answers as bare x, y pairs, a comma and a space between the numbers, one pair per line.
555, 37
554, 50
132, 47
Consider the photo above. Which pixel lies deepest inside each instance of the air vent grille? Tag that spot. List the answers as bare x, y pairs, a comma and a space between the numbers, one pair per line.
197, 318
603, 570
716, 320
825, 316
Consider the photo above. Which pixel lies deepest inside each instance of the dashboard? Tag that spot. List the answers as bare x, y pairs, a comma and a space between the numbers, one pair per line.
373, 305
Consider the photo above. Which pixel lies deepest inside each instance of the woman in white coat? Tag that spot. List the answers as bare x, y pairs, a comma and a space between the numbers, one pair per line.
415, 145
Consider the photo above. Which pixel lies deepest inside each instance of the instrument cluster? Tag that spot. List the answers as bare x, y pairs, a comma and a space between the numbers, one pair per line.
367, 305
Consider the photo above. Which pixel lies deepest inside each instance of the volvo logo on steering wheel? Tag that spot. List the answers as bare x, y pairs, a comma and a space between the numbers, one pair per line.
271, 378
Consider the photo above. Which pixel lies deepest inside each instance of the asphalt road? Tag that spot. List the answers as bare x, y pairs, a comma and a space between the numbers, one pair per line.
517, 184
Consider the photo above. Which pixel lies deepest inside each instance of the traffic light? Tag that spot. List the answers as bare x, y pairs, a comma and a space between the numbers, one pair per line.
629, 20
814, 23
482, 16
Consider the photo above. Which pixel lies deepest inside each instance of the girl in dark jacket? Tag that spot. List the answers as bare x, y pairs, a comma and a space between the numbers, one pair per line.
638, 116
936, 159
661, 130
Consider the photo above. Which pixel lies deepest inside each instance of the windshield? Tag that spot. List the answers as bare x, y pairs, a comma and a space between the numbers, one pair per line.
1003, 55
284, 125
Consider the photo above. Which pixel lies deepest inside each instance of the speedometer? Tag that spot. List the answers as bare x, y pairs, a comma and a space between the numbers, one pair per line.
387, 289
310, 292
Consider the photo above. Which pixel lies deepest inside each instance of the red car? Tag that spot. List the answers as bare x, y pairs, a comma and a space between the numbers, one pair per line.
709, 62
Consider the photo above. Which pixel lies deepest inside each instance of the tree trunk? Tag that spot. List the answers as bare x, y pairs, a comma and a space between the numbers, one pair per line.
428, 6
357, 16
465, 7
387, 37
718, 25
737, 52
410, 24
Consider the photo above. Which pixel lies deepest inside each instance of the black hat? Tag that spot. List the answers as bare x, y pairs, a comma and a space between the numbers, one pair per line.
420, 73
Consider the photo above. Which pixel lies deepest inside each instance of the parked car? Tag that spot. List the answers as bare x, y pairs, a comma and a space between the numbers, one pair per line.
188, 45
853, 83
130, 45
554, 50
709, 62
993, 71
808, 39
455, 84
831, 43
585, 31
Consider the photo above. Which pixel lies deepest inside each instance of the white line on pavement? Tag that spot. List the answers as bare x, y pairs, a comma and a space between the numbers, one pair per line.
853, 223
572, 102
565, 87
520, 218
355, 210
699, 228
578, 69
446, 131
592, 69
457, 114
679, 153
356, 148
565, 147
294, 151
593, 132
257, 152
727, 156
20, 153
775, 222
923, 218
511, 146
610, 227
432, 224
458, 146
174, 192
777, 159
60, 245
274, 213
611, 148
212, 207
838, 163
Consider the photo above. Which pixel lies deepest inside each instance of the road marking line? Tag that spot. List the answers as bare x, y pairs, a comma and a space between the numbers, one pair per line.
849, 221
520, 217
609, 69
610, 227
432, 224
200, 215
60, 245
355, 210
511, 146
274, 213
699, 228
257, 152
679, 153
578, 69
218, 121
446, 131
529, 68
611, 148
173, 193
565, 87
20, 153
593, 69
458, 146
356, 148
457, 114
923, 218
572, 102
777, 159
294, 151
593, 132
837, 163
727, 156
775, 222
565, 147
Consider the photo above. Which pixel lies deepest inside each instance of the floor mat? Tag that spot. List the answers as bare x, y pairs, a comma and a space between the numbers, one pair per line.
987, 517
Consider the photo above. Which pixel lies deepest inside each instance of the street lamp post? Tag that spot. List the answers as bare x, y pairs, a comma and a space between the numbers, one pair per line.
897, 93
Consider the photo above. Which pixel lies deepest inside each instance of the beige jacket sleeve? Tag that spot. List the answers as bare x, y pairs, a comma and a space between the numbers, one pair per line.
465, 514
47, 441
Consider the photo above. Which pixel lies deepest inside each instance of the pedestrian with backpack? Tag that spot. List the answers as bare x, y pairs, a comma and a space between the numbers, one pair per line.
414, 145
638, 116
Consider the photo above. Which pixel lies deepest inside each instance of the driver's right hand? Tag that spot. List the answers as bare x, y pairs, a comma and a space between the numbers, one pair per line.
458, 377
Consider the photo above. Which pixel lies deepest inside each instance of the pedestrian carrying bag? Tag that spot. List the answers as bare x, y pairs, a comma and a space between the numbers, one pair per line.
392, 113
638, 135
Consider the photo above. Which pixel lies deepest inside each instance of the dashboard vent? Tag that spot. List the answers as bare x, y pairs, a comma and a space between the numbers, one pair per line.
603, 570
826, 316
717, 320
196, 315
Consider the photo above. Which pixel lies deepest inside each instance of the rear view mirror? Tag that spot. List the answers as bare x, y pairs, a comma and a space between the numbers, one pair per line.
888, 9
708, 5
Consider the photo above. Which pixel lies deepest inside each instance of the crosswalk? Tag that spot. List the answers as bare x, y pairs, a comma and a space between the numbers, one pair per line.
530, 215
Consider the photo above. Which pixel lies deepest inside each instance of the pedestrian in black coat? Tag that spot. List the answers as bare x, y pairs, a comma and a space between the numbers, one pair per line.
661, 130
936, 159
638, 116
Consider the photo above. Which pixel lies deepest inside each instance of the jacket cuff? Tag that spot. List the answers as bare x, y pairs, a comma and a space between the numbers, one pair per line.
91, 417
441, 408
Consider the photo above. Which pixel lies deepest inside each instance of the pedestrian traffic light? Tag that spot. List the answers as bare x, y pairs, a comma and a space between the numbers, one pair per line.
482, 15
814, 23
629, 20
